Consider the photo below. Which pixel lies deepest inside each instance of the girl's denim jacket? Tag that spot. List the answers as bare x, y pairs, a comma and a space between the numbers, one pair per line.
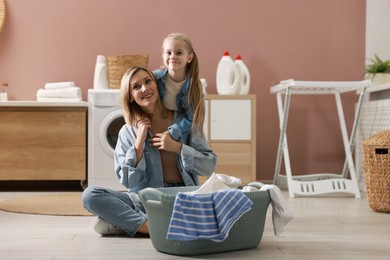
183, 126
196, 159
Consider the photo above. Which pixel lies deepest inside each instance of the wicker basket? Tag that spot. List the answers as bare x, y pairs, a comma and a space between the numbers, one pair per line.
377, 171
246, 232
118, 65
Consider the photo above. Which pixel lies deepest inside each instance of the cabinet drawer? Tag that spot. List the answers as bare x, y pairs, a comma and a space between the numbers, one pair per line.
230, 153
234, 159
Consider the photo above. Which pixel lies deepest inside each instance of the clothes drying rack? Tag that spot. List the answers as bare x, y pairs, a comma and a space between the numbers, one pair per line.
320, 183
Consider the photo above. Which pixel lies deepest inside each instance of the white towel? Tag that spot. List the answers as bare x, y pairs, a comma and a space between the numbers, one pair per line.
48, 99
59, 85
230, 181
71, 92
281, 212
218, 181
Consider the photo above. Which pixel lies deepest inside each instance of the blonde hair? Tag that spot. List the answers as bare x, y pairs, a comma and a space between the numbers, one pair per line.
195, 93
132, 112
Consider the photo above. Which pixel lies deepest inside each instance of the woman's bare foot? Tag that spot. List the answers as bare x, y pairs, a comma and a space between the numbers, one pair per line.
144, 228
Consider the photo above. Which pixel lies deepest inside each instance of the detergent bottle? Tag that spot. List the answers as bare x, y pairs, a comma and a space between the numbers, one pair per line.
3, 92
100, 77
244, 77
227, 76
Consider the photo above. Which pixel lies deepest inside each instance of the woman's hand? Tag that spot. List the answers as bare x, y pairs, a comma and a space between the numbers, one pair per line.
164, 141
143, 126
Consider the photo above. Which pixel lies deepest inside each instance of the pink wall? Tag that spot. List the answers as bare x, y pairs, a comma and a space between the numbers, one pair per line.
58, 40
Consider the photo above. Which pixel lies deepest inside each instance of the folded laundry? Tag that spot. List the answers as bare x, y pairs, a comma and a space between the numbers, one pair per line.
70, 92
59, 85
49, 99
207, 216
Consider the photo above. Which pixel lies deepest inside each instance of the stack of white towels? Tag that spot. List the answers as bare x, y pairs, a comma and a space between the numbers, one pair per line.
59, 92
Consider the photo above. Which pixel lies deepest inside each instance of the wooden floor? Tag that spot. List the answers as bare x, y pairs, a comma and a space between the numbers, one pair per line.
323, 228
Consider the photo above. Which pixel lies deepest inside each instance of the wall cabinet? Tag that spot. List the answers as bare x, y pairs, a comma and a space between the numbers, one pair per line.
43, 142
230, 128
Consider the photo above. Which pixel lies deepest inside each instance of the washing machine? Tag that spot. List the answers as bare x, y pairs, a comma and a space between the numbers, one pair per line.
105, 119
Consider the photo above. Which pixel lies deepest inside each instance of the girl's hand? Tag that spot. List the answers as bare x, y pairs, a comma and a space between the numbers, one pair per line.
164, 141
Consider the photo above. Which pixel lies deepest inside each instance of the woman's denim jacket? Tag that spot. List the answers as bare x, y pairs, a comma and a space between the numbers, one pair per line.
196, 159
184, 125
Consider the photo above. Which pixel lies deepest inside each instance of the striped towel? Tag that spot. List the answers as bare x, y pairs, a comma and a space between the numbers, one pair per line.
207, 216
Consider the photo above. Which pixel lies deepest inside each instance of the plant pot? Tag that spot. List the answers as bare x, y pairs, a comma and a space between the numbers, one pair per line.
380, 78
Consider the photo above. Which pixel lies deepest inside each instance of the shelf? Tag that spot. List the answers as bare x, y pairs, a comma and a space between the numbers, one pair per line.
319, 87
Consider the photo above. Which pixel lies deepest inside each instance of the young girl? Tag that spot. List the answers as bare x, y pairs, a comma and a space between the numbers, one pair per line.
179, 84
146, 157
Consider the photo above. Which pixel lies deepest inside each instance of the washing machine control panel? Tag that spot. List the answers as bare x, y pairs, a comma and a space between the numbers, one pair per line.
104, 97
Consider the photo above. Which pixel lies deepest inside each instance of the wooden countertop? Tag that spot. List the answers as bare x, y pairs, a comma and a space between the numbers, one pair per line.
33, 103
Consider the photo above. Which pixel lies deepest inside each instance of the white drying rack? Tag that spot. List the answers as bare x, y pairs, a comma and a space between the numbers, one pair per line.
321, 183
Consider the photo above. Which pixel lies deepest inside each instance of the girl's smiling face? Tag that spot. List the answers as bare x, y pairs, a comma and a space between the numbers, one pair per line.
176, 55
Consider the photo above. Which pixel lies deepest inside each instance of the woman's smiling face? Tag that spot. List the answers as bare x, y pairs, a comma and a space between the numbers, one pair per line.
143, 90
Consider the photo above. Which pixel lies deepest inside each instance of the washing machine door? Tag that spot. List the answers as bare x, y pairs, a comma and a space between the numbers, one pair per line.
109, 129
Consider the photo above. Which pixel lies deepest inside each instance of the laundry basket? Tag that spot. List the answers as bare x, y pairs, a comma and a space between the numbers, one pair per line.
246, 232
377, 170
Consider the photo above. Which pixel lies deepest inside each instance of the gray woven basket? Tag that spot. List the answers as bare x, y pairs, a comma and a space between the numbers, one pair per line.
246, 232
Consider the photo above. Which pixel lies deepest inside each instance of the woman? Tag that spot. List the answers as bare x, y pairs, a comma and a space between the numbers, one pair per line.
146, 156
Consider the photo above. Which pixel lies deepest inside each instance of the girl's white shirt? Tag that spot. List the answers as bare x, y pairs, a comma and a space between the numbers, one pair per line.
172, 88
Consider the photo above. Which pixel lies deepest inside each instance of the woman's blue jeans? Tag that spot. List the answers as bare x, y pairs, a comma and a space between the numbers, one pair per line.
121, 209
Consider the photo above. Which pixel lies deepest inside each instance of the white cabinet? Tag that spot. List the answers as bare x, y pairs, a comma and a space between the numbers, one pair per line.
230, 119
230, 128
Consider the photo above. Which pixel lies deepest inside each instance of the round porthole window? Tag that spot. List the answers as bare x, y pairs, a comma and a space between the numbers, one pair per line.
109, 129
